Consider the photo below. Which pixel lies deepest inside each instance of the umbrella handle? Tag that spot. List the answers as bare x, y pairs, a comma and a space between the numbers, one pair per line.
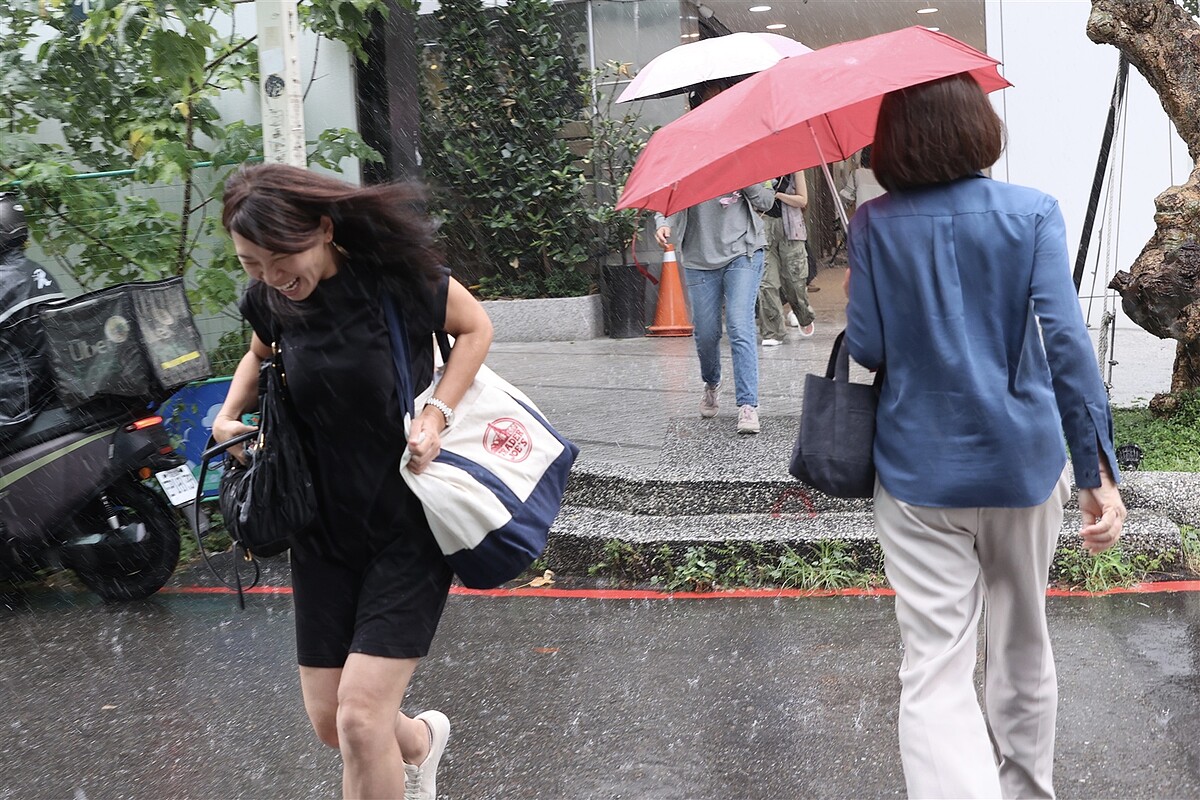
837, 201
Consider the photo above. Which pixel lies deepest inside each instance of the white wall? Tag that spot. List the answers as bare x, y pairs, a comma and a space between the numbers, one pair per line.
1055, 114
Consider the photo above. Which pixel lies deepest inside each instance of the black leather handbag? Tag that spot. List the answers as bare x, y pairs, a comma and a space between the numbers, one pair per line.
268, 501
835, 449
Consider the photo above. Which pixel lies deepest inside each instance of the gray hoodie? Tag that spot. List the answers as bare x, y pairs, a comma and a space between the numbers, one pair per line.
715, 232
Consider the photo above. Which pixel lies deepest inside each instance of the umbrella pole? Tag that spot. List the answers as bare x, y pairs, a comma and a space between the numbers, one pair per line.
837, 200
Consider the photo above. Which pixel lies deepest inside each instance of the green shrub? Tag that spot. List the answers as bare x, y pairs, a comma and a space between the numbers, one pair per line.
499, 89
1169, 444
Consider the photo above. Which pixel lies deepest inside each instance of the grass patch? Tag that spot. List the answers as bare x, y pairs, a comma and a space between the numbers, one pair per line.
828, 564
1189, 538
1169, 444
1078, 569
217, 540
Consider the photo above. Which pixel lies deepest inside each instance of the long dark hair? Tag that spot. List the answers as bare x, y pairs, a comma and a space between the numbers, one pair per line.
384, 229
935, 132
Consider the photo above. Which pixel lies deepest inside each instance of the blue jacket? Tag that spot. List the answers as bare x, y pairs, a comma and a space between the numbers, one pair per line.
948, 286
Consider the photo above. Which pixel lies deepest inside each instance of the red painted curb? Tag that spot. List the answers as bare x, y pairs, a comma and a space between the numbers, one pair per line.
732, 594
1158, 587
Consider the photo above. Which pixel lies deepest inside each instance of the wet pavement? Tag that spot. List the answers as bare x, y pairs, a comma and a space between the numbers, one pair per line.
184, 696
616, 398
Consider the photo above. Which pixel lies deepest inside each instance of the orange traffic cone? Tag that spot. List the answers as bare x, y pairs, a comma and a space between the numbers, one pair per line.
671, 317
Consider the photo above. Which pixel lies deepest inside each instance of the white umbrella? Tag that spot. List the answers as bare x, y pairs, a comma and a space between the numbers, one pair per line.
681, 67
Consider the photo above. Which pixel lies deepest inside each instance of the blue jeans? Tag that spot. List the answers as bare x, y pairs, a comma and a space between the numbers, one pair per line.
735, 286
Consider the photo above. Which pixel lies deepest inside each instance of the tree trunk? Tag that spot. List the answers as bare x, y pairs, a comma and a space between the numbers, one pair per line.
1161, 290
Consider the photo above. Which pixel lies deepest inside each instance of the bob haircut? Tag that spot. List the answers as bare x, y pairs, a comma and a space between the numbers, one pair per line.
935, 132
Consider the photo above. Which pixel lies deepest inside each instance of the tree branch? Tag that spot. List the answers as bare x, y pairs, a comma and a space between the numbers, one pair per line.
1163, 42
216, 62
316, 60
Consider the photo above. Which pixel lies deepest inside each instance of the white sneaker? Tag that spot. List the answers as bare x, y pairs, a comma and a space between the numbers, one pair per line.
771, 342
792, 321
808, 329
708, 403
420, 781
748, 420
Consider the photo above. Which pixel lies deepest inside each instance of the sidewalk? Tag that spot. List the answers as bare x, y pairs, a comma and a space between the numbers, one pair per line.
651, 472
616, 397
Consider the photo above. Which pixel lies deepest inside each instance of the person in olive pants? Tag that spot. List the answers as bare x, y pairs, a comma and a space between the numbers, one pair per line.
786, 262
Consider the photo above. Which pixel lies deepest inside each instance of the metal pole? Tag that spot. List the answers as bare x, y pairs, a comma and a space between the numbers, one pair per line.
279, 82
1089, 219
837, 200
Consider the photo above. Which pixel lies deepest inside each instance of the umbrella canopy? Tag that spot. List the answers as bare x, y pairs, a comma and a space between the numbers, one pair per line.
680, 68
799, 113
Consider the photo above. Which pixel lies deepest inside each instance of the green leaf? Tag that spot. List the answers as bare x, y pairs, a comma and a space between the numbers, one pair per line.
133, 84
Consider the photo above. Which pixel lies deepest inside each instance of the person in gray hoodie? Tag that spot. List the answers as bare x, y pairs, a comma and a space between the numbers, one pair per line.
720, 245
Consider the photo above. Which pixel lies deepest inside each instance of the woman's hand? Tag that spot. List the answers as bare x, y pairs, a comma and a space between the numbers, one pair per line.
468, 323
224, 429
663, 237
424, 439
242, 396
1103, 514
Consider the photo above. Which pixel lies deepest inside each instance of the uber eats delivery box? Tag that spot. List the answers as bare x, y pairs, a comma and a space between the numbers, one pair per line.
135, 340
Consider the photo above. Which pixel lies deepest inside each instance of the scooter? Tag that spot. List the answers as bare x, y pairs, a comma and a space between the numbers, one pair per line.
76, 492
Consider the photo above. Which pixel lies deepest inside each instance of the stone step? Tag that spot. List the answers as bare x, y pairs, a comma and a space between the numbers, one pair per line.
584, 537
1174, 495
734, 494
615, 489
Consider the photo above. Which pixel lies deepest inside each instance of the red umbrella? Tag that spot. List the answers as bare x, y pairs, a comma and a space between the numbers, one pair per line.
804, 111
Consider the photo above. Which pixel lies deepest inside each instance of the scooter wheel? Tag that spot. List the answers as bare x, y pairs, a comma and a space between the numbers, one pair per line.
137, 559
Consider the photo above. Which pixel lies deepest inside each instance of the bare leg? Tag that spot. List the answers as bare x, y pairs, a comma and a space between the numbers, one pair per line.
320, 686
362, 699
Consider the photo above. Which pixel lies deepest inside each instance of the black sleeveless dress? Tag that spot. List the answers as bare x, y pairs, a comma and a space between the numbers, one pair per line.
370, 577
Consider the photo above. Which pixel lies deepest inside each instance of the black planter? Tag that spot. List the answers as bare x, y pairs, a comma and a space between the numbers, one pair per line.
624, 296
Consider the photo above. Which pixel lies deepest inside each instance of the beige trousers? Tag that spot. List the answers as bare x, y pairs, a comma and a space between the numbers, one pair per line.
945, 564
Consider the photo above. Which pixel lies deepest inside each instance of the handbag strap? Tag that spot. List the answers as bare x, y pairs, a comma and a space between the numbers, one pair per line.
838, 368
396, 332
211, 451
400, 355
839, 360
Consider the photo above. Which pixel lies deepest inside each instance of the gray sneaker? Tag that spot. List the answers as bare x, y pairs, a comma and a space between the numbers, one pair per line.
420, 782
708, 403
748, 420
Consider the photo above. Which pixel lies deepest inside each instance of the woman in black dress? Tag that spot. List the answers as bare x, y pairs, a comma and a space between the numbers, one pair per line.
369, 582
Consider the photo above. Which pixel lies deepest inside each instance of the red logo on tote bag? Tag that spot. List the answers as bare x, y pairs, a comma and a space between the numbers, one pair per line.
508, 439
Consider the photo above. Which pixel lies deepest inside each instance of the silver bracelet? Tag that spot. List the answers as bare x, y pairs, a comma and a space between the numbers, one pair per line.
441, 406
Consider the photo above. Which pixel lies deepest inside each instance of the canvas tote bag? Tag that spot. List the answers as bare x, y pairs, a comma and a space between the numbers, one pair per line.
493, 492
834, 451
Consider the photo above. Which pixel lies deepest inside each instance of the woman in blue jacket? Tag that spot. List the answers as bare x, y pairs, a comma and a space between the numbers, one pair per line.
962, 286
